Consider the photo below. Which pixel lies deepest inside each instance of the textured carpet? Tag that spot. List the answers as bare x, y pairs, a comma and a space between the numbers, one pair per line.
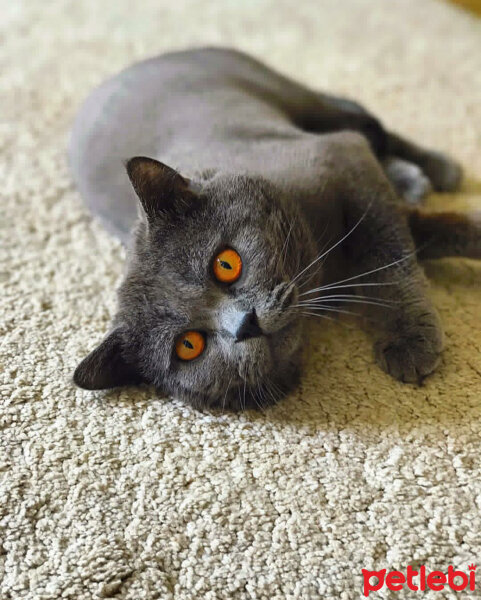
125, 495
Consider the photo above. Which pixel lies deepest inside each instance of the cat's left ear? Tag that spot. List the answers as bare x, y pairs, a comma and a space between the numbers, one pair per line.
106, 366
159, 187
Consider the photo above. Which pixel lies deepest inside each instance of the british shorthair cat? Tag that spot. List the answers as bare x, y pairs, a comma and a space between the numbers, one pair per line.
254, 203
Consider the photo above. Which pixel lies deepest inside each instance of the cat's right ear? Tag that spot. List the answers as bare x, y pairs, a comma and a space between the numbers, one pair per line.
160, 188
106, 367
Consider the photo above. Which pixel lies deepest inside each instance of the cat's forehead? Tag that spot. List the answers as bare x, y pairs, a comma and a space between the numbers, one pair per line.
171, 271
187, 246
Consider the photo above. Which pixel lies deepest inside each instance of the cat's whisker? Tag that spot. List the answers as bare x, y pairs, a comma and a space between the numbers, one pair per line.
265, 391
391, 264
330, 287
270, 389
349, 296
225, 394
334, 310
319, 306
321, 316
286, 245
330, 309
280, 392
340, 322
323, 309
307, 277
261, 397
277, 390
326, 252
253, 394
302, 283
319, 301
307, 313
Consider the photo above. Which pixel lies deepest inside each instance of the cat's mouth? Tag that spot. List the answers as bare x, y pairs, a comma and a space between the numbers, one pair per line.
259, 388
263, 354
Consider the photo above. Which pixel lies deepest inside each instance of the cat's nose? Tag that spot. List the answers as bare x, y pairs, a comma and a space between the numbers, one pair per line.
248, 327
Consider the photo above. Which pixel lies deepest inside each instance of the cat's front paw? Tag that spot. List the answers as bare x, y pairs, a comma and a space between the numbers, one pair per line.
411, 353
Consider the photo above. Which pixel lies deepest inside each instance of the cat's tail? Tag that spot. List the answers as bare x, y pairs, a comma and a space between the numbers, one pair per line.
437, 235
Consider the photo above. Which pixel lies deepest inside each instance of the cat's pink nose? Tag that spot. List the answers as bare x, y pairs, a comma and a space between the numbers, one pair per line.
248, 327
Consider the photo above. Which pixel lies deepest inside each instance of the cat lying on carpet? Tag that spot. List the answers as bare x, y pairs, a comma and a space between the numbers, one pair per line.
278, 203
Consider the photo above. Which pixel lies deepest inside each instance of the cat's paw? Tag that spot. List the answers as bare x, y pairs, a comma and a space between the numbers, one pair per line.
408, 180
445, 173
411, 353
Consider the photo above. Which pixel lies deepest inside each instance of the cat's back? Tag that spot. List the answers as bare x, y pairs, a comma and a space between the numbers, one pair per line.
173, 95
173, 81
184, 108
135, 112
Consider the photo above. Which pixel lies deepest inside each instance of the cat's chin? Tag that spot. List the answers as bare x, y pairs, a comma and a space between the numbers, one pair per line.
264, 393
260, 394
271, 371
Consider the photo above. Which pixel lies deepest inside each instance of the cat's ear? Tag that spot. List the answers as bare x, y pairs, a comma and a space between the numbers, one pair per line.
105, 367
159, 188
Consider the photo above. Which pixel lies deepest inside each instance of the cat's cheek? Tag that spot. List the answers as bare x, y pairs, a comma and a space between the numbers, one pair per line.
255, 360
287, 342
206, 375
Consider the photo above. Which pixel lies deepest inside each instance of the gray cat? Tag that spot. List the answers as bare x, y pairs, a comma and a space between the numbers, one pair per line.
279, 202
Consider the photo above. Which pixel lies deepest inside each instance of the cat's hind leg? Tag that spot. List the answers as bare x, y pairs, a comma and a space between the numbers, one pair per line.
437, 235
444, 173
408, 165
409, 180
323, 113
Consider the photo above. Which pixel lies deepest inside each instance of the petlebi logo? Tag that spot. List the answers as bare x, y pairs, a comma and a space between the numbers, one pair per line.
420, 580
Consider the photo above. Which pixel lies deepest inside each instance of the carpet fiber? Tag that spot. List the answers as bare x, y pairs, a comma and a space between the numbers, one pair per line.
128, 496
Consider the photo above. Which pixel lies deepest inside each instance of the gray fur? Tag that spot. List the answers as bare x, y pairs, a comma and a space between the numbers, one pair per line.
408, 179
272, 169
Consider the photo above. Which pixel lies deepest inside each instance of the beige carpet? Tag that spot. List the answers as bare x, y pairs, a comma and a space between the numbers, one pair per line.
127, 496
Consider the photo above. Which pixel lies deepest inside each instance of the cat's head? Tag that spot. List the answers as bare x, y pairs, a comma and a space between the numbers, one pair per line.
206, 309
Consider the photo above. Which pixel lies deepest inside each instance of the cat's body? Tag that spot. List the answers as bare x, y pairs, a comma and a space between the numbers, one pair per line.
275, 171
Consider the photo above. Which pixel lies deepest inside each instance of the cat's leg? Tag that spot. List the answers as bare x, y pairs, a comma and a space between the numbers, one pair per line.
382, 259
444, 173
443, 234
411, 168
323, 113
409, 180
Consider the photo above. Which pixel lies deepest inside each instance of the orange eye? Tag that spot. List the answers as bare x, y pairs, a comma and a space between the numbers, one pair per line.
190, 345
227, 266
